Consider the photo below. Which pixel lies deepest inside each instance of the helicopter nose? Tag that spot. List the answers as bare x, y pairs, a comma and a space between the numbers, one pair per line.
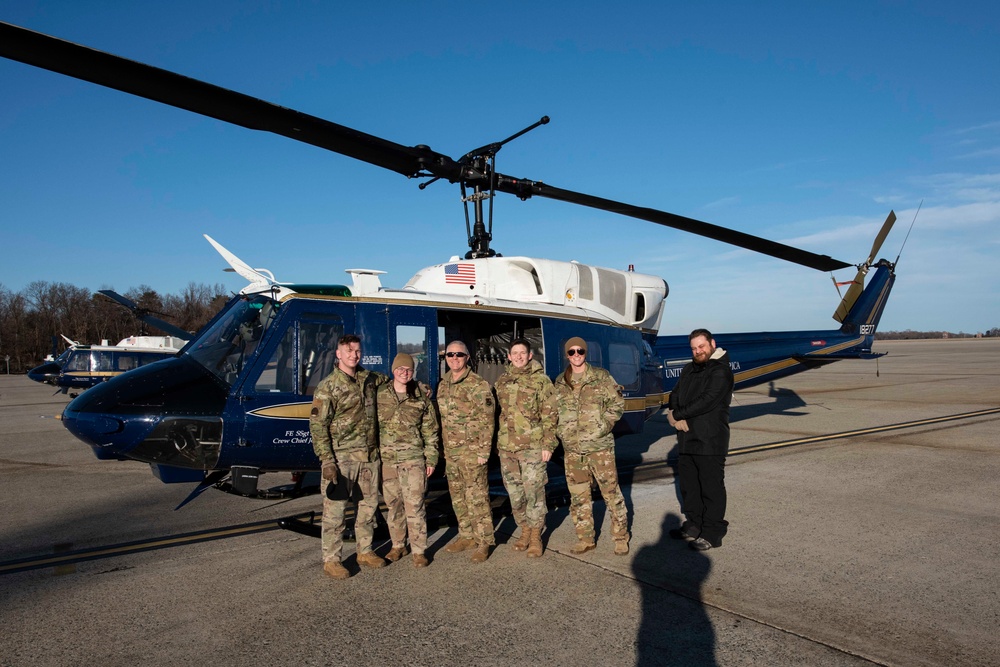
167, 413
44, 373
97, 431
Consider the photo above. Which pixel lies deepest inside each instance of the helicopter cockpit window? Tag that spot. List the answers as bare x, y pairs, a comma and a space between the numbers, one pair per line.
225, 348
413, 341
623, 363
318, 350
316, 357
79, 361
279, 374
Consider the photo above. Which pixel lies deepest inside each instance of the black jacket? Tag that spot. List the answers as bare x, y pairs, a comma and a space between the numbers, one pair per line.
702, 398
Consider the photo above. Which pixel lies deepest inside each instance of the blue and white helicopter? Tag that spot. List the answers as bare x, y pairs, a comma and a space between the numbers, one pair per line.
236, 399
81, 367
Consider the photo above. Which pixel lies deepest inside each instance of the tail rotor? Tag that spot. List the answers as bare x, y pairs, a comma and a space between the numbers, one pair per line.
858, 284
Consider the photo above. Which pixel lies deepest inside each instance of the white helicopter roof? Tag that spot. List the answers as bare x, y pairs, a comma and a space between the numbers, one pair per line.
621, 297
147, 343
543, 285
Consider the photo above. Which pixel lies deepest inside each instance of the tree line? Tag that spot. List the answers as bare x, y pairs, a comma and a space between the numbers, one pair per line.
33, 320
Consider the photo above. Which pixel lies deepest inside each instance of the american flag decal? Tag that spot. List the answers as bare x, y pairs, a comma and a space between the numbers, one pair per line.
460, 274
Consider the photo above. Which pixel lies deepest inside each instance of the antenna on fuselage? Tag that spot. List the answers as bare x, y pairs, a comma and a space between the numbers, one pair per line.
912, 222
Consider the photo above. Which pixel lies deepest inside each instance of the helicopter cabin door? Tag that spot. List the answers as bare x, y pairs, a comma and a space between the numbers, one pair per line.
277, 395
413, 330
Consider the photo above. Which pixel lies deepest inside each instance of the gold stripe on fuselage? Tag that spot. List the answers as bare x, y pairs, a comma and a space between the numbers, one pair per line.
283, 411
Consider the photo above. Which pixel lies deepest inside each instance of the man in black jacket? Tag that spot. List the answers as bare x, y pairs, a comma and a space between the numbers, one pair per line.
699, 410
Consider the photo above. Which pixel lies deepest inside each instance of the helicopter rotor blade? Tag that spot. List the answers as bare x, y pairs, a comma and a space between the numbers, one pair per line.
160, 85
140, 313
858, 284
880, 239
524, 188
111, 71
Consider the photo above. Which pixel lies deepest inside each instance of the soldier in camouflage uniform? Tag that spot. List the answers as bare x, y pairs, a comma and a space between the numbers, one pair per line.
408, 441
467, 423
343, 428
525, 441
590, 403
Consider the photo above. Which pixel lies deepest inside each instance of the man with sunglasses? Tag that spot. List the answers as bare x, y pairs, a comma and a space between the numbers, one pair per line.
525, 442
467, 410
590, 403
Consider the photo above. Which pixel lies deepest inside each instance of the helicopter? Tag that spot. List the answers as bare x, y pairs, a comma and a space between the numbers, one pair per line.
235, 402
81, 367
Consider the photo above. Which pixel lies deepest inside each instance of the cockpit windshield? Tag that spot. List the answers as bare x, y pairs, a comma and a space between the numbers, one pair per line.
226, 346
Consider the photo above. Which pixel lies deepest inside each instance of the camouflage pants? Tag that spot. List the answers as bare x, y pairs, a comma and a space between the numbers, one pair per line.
600, 466
403, 487
366, 477
470, 498
525, 476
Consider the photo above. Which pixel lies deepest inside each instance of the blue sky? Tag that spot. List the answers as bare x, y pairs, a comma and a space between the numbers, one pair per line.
799, 122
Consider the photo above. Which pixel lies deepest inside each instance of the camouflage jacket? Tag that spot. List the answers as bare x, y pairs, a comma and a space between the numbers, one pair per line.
407, 426
588, 410
342, 421
468, 413
527, 409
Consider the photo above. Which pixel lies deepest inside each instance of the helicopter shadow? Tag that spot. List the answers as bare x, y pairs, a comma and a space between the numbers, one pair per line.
630, 450
784, 402
634, 450
674, 628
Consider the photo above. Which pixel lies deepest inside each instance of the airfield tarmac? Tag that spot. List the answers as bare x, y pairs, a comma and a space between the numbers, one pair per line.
878, 548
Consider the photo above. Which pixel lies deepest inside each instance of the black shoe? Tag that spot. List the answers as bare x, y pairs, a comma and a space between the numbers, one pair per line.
688, 533
701, 544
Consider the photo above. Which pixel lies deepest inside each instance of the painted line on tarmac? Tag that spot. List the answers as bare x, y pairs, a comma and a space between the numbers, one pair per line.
654, 470
68, 558
65, 560
863, 431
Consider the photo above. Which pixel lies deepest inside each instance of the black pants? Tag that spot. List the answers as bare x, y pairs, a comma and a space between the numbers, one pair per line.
703, 495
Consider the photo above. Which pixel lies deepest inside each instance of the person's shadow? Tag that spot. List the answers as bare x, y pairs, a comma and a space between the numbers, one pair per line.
675, 628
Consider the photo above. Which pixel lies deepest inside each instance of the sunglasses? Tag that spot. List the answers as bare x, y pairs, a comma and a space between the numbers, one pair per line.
576, 351
460, 355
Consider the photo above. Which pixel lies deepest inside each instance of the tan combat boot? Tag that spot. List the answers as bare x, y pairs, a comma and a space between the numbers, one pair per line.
535, 543
336, 569
522, 541
481, 553
459, 545
370, 559
420, 560
621, 545
396, 553
582, 546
